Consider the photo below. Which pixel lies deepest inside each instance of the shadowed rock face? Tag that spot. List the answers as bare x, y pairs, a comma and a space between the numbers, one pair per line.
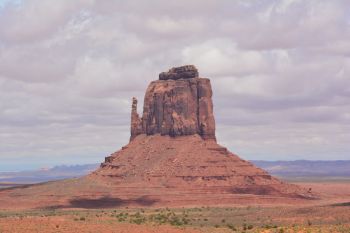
180, 103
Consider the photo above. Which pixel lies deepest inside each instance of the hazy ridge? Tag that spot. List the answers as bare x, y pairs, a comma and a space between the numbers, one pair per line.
285, 169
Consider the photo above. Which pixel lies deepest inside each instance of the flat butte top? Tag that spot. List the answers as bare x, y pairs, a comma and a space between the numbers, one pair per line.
181, 72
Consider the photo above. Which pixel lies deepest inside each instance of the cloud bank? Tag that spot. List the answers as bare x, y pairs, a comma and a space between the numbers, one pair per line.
280, 71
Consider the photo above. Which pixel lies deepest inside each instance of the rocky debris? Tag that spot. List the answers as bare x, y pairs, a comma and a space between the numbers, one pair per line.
176, 107
182, 72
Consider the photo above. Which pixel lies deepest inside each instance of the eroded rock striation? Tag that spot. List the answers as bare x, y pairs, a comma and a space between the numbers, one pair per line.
179, 103
173, 150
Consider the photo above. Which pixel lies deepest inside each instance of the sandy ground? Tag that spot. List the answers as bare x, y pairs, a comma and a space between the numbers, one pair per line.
21, 210
60, 224
212, 220
81, 193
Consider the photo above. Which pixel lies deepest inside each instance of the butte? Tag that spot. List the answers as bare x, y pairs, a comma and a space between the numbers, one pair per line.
173, 154
172, 159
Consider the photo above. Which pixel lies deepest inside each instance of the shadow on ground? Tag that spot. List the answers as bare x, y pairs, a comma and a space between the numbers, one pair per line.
23, 186
341, 204
106, 202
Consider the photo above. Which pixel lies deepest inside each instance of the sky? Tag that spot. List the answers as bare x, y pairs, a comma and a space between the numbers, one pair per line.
280, 72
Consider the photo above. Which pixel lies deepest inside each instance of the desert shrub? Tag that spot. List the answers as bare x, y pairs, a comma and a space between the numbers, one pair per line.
232, 227
122, 216
159, 218
175, 221
82, 219
137, 218
121, 219
185, 220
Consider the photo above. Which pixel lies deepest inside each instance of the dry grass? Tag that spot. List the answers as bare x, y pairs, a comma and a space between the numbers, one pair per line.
202, 219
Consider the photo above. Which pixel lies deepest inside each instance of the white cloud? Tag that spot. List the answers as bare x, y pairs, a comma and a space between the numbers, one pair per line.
221, 57
280, 72
173, 27
35, 19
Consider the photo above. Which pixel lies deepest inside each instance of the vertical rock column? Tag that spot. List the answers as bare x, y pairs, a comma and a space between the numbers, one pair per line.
136, 126
205, 109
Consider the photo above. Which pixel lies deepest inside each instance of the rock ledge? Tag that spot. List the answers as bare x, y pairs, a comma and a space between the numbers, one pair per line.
182, 72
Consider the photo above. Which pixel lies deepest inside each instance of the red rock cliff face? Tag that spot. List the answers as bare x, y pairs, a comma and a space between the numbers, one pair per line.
159, 163
136, 124
180, 103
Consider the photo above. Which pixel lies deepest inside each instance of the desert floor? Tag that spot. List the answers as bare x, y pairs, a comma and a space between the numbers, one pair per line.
331, 213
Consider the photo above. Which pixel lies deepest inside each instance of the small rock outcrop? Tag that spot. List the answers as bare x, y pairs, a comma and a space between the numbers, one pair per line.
182, 72
178, 104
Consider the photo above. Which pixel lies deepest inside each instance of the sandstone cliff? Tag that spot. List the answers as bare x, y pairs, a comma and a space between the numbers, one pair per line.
172, 150
179, 103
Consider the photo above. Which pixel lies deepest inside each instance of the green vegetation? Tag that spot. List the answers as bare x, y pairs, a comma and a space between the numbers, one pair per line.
249, 220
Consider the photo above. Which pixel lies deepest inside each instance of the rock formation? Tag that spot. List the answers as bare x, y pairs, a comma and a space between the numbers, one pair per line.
173, 149
182, 72
172, 159
136, 123
177, 104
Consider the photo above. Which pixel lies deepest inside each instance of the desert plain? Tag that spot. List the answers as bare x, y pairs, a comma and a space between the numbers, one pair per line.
103, 212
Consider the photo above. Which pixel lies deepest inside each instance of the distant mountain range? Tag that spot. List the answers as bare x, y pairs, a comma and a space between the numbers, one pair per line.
306, 168
43, 175
299, 169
